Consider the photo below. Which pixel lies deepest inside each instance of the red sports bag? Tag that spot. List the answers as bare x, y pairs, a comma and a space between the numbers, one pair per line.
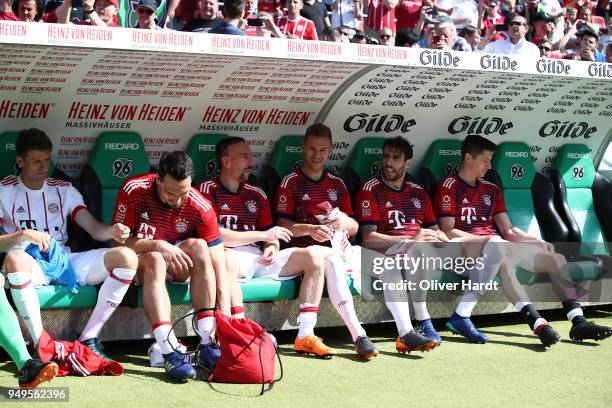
247, 353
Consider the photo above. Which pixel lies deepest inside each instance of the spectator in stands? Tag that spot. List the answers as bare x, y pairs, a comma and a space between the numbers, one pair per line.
293, 25
272, 7
359, 38
445, 38
346, 33
489, 14
571, 14
545, 48
385, 37
233, 11
586, 14
6, 11
146, 12
102, 13
471, 34
207, 18
408, 12
588, 46
28, 10
348, 13
515, 44
249, 7
268, 29
316, 12
606, 39
543, 26
331, 35
464, 13
609, 53
407, 38
381, 14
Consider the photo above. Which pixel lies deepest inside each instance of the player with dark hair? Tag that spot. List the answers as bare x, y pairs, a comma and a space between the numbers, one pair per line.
165, 213
471, 208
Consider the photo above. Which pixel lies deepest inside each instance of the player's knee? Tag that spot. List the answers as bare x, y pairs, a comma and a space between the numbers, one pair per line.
231, 264
314, 261
153, 261
18, 261
121, 257
197, 249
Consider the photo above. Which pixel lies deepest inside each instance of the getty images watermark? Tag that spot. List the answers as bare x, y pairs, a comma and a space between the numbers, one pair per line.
411, 265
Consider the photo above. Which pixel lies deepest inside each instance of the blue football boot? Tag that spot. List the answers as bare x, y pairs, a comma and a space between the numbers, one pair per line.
464, 327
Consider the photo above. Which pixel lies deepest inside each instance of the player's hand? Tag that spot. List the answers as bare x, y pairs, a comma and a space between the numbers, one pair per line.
176, 259
427, 235
120, 232
292, 36
278, 233
88, 5
343, 221
321, 233
41, 239
270, 253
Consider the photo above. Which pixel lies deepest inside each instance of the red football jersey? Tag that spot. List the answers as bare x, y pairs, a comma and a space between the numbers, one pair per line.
408, 13
301, 27
138, 206
246, 210
394, 212
380, 16
472, 206
297, 196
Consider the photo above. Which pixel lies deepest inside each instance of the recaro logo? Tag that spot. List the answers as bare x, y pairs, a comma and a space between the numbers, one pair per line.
577, 155
450, 152
517, 154
9, 146
121, 146
372, 150
293, 149
206, 148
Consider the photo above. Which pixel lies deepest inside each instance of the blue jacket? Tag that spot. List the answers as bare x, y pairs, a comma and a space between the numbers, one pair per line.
55, 263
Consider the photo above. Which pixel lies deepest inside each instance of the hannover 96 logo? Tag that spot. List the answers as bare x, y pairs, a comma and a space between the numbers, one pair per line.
122, 167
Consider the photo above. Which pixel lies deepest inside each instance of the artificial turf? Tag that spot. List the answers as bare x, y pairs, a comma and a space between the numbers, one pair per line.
512, 370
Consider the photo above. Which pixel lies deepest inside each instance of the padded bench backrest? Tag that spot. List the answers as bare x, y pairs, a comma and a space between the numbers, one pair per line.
513, 164
441, 160
364, 162
116, 156
202, 150
286, 157
575, 179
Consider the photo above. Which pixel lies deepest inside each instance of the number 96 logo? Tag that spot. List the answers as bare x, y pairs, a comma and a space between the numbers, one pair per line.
122, 167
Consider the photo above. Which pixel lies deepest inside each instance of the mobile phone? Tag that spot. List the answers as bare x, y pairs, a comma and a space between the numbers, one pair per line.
435, 39
254, 22
501, 27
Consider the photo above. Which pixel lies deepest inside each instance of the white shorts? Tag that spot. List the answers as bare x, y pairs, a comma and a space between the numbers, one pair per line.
249, 266
88, 266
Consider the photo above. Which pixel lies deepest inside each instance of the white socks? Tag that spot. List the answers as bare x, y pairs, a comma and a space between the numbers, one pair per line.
340, 295
111, 293
27, 303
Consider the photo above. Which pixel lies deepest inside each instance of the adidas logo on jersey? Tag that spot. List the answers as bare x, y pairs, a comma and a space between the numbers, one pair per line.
145, 216
225, 206
465, 201
388, 205
20, 210
305, 197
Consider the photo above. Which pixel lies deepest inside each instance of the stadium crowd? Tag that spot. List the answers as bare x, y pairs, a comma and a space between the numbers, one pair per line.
568, 29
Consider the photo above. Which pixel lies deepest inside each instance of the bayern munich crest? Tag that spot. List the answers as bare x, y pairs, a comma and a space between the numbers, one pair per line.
487, 200
333, 195
181, 225
53, 208
251, 206
417, 203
